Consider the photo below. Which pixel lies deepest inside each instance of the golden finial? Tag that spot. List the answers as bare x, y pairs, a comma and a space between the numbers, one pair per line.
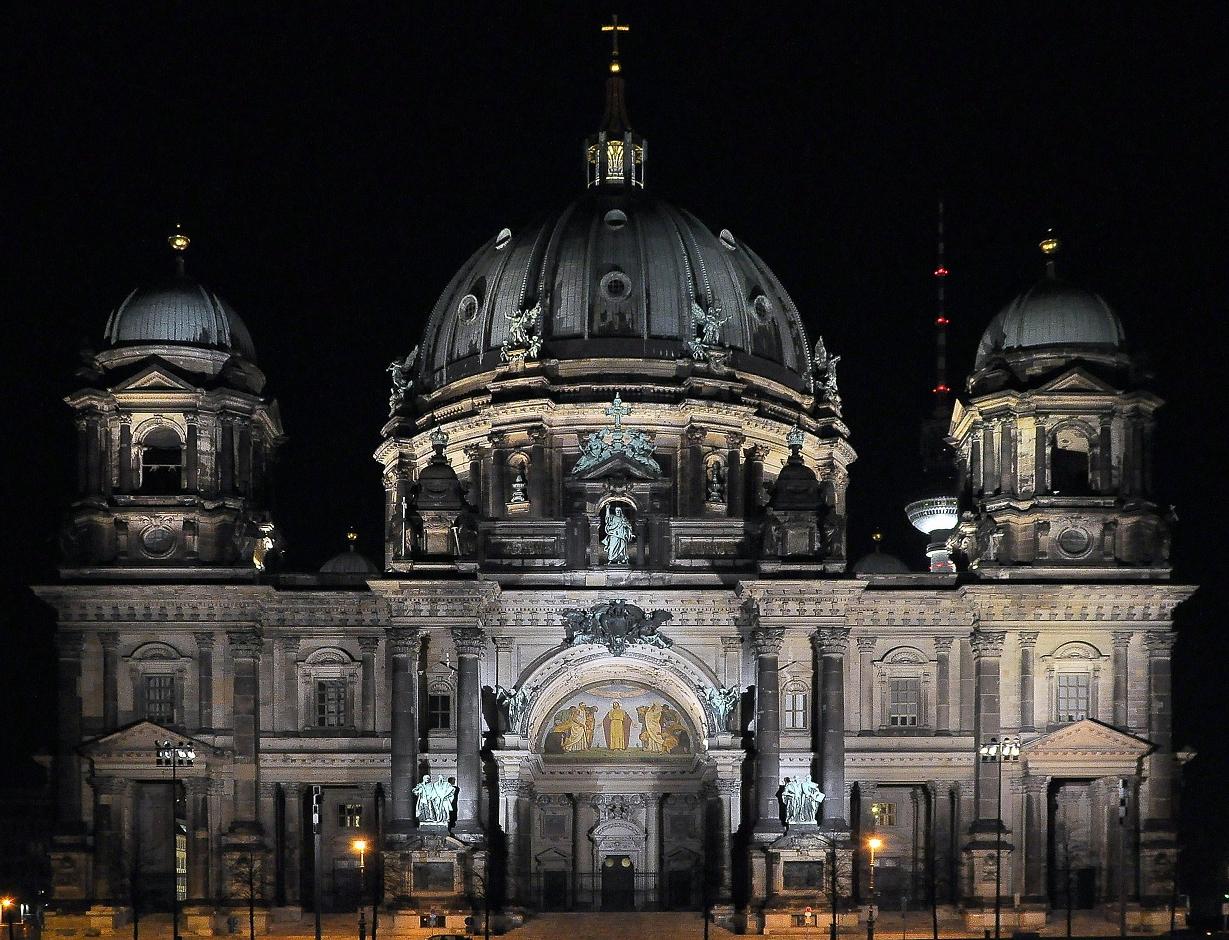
876, 537
178, 240
1050, 245
614, 28
351, 536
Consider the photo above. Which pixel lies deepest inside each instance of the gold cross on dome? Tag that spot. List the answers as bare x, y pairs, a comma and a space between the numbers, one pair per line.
614, 28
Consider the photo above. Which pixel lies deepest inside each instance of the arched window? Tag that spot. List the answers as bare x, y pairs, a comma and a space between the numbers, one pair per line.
794, 706
1069, 463
161, 462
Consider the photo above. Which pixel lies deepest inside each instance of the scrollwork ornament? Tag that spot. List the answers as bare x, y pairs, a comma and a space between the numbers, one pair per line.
616, 625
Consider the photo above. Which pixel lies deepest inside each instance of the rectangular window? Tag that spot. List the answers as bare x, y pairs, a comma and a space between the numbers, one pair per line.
1074, 695
349, 815
330, 703
439, 711
905, 703
802, 875
181, 863
160, 699
884, 813
795, 711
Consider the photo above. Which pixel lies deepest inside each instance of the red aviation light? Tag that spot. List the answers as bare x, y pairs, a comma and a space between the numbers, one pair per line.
941, 271
941, 389
941, 320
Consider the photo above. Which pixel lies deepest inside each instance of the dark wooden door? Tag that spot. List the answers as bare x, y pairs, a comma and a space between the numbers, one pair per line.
618, 883
678, 890
555, 891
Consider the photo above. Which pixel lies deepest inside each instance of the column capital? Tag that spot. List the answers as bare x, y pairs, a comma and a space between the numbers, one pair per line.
866, 644
735, 439
71, 643
110, 786
1035, 783
368, 644
696, 434
404, 641
205, 640
767, 640
109, 640
831, 641
537, 433
504, 644
289, 644
1122, 639
245, 644
197, 786
292, 788
986, 643
1028, 637
268, 789
1159, 642
943, 644
473, 452
469, 641
755, 452
731, 644
496, 438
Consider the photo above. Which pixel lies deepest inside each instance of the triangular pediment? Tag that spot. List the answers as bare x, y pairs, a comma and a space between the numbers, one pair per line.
617, 465
155, 377
1078, 379
1085, 741
139, 742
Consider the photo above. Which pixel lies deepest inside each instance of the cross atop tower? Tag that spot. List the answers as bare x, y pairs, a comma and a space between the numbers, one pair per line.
618, 411
614, 28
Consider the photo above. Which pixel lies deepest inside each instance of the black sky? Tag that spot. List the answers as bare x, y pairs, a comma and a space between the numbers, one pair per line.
335, 163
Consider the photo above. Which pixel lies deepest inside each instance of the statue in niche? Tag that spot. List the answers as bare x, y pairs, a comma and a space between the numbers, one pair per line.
716, 484
519, 488
619, 536
434, 803
401, 373
513, 703
720, 704
801, 797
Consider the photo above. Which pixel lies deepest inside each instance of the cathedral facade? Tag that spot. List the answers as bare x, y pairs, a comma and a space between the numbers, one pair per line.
615, 656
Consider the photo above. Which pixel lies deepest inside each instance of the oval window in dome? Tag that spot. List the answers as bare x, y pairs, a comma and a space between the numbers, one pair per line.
502, 239
761, 305
467, 309
727, 239
616, 286
615, 219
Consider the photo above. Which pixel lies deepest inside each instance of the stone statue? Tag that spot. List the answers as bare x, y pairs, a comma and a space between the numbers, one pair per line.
519, 488
801, 797
403, 379
618, 536
263, 546
617, 625
825, 371
720, 702
524, 341
635, 445
716, 485
513, 703
708, 324
434, 804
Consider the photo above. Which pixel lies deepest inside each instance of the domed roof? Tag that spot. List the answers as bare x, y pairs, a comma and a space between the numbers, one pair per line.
349, 562
179, 310
1052, 313
616, 274
878, 562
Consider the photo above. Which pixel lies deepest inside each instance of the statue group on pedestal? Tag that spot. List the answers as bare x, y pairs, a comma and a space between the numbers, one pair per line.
801, 796
434, 801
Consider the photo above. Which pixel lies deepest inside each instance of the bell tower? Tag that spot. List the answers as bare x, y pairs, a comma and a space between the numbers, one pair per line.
1054, 440
175, 441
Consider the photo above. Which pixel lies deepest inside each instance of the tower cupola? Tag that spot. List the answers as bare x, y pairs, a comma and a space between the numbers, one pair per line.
615, 155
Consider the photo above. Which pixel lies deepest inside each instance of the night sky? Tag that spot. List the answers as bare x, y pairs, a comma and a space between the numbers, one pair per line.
335, 164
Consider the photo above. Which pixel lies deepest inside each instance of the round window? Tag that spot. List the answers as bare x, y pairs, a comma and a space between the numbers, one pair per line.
158, 541
762, 306
467, 309
1073, 542
616, 286
615, 219
727, 240
503, 238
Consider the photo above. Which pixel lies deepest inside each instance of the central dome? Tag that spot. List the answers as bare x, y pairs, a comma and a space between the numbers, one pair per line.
616, 274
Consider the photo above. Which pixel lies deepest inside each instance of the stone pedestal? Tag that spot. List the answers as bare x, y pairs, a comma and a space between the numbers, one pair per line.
428, 870
979, 869
199, 921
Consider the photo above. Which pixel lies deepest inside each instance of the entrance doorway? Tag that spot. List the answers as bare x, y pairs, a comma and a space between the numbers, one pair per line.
678, 890
618, 883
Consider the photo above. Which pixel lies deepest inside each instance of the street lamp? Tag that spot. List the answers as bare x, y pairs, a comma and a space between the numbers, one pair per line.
175, 755
360, 846
999, 752
5, 904
874, 843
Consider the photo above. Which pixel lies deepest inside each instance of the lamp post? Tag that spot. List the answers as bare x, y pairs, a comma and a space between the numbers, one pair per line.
5, 904
1008, 749
360, 846
175, 755
874, 843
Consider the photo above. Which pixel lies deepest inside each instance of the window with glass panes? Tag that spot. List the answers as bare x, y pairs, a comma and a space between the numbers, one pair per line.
439, 711
330, 703
350, 815
160, 699
904, 703
794, 710
884, 814
1073, 695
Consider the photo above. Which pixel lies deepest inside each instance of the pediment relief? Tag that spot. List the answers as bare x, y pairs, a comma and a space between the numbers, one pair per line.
614, 466
1078, 380
1087, 738
156, 651
140, 741
157, 378
905, 656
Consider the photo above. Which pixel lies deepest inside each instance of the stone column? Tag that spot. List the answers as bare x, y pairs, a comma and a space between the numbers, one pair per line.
1040, 463
1105, 455
767, 643
68, 762
469, 642
110, 678
1160, 764
292, 800
866, 684
93, 461
1035, 834
245, 647
941, 840
652, 845
196, 799
579, 896
226, 470
987, 652
538, 473
693, 480
288, 647
734, 494
975, 469
403, 646
967, 685
832, 645
125, 453
729, 792
753, 473
368, 646
83, 463
989, 477
1028, 648
243, 470
473, 453
204, 679
1007, 441
505, 662
496, 500
192, 459
1122, 678
943, 682
109, 875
